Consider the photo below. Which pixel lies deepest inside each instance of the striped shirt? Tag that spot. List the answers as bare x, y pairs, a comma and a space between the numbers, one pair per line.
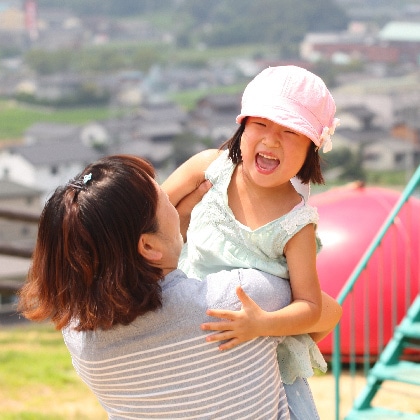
161, 367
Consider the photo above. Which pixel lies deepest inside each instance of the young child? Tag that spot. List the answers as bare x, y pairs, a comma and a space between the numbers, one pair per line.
256, 215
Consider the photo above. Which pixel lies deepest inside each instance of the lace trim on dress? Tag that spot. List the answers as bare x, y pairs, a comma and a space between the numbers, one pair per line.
298, 356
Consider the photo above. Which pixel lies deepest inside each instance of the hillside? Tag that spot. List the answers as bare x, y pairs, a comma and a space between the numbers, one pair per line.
222, 23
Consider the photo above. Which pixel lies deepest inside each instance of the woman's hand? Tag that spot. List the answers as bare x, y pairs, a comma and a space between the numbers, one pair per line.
235, 326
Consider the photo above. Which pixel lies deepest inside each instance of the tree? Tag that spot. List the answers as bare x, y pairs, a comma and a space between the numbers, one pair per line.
265, 21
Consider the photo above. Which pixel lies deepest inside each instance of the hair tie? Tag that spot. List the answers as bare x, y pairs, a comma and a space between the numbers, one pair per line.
80, 183
87, 178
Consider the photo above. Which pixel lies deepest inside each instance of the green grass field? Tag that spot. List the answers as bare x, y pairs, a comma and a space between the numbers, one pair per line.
37, 379
15, 119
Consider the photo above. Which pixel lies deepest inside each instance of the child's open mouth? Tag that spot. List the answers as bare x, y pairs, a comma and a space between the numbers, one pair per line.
266, 163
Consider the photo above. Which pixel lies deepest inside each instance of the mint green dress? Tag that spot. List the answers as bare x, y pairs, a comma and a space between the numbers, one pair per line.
217, 241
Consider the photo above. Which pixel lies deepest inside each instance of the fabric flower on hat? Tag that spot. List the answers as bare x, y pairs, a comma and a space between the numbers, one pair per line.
325, 139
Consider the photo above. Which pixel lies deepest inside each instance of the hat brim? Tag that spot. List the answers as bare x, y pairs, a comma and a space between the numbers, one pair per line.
285, 117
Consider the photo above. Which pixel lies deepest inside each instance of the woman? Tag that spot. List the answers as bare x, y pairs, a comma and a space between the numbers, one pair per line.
104, 271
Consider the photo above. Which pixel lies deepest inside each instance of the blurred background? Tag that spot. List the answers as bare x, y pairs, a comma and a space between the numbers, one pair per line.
163, 79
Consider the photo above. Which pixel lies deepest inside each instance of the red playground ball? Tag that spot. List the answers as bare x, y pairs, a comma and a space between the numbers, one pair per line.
350, 218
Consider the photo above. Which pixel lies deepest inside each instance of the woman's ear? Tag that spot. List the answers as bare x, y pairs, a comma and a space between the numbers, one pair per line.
148, 247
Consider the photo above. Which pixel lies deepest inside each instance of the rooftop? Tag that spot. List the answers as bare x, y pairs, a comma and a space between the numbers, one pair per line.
401, 31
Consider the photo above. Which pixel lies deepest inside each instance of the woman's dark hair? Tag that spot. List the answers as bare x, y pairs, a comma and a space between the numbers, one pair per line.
309, 172
86, 268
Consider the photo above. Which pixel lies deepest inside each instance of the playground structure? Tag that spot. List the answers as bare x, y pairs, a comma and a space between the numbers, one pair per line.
350, 217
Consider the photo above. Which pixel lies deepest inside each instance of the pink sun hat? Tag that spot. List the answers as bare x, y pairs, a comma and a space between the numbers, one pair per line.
295, 98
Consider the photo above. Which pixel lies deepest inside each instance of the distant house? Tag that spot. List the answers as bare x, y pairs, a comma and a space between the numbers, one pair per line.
46, 132
12, 27
45, 165
175, 79
11, 83
395, 43
390, 154
15, 197
358, 127
54, 153
161, 155
408, 130
128, 90
58, 86
58, 28
12, 19
68, 88
163, 111
214, 117
407, 125
159, 123
405, 38
149, 133
382, 116
389, 98
18, 197
379, 147
345, 47
60, 17
95, 135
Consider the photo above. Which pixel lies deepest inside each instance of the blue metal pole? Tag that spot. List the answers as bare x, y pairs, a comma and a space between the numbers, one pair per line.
348, 287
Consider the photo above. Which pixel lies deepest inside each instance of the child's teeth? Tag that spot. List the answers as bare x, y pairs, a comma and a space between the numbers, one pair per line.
267, 157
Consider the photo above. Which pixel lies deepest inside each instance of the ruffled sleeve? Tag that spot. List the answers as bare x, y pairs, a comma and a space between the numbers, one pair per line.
220, 169
298, 356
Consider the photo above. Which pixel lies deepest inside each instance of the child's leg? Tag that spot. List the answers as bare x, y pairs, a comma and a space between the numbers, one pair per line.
301, 402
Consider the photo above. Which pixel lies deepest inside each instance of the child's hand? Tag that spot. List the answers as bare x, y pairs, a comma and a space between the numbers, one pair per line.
236, 326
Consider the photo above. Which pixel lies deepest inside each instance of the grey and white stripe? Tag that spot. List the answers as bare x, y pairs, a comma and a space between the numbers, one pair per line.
161, 367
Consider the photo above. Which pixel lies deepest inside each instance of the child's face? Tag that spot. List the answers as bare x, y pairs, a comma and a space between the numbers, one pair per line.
272, 154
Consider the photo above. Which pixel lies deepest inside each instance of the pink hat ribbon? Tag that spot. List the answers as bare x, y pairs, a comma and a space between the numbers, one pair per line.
325, 139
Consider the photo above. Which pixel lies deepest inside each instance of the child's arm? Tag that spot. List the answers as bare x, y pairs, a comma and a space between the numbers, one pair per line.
300, 252
297, 318
186, 205
330, 316
187, 177
186, 185
235, 325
